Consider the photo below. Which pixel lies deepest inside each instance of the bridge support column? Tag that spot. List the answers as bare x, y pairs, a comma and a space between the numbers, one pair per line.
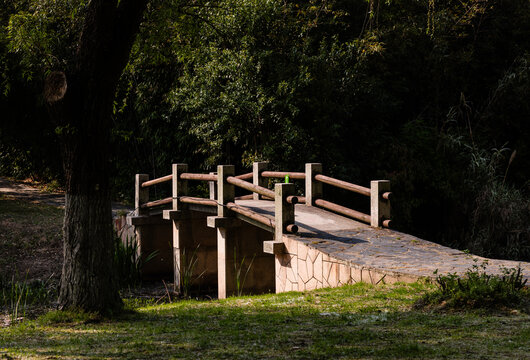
379, 207
257, 179
225, 194
313, 188
181, 231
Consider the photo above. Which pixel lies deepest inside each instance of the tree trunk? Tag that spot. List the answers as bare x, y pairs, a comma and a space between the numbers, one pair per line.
87, 279
84, 113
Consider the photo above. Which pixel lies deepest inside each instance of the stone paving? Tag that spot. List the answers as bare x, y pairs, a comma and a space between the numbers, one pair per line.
330, 250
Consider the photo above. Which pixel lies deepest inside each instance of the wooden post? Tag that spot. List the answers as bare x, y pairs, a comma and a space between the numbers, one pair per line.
180, 187
141, 195
225, 194
213, 188
225, 191
283, 211
313, 188
379, 207
257, 179
179, 226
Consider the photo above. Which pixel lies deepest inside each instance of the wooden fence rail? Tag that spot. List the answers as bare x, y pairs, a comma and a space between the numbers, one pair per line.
379, 193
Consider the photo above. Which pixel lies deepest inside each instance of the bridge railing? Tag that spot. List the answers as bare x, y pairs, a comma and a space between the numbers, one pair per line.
222, 192
221, 196
378, 192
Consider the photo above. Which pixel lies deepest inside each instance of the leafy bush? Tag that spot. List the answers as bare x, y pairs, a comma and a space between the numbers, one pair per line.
477, 289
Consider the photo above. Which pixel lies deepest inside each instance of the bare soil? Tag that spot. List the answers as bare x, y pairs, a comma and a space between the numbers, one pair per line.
31, 244
30, 239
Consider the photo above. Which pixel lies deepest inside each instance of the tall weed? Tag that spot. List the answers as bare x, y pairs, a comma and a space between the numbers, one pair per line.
241, 271
188, 275
128, 262
16, 296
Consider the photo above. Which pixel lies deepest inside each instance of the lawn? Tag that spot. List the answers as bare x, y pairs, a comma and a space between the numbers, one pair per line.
358, 321
352, 322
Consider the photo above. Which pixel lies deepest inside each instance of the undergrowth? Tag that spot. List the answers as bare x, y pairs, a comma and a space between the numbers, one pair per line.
128, 262
17, 296
478, 289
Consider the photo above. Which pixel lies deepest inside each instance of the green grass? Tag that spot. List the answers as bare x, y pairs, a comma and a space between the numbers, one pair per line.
353, 322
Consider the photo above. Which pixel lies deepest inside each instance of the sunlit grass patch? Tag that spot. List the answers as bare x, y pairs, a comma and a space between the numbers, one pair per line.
355, 321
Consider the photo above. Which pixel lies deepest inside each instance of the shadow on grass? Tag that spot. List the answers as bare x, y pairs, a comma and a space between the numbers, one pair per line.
274, 331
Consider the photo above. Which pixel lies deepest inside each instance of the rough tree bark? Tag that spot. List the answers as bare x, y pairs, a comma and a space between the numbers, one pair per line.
81, 103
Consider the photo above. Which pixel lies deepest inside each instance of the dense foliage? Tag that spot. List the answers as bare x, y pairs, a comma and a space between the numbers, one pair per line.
431, 95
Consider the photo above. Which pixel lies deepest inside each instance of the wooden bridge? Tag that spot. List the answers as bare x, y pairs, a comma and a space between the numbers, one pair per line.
276, 240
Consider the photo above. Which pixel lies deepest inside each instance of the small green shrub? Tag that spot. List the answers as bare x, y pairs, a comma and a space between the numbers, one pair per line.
477, 289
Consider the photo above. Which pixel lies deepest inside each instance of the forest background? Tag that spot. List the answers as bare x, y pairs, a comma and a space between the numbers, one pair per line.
432, 95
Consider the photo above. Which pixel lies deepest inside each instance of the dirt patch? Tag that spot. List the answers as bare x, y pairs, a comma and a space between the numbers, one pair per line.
30, 239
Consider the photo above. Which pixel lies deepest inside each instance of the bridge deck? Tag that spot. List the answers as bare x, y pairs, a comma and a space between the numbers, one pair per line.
384, 250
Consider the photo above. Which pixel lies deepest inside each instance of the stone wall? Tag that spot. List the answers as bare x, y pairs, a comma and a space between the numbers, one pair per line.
301, 267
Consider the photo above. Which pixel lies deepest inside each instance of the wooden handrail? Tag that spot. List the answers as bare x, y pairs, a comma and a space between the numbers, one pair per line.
198, 201
184, 199
154, 203
281, 174
157, 181
200, 177
343, 184
292, 228
247, 176
244, 197
192, 176
250, 187
343, 210
293, 199
251, 214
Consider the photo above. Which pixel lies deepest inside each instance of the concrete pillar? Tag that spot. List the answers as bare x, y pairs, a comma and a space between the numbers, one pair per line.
141, 195
182, 241
379, 207
283, 211
313, 188
257, 179
223, 270
180, 187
